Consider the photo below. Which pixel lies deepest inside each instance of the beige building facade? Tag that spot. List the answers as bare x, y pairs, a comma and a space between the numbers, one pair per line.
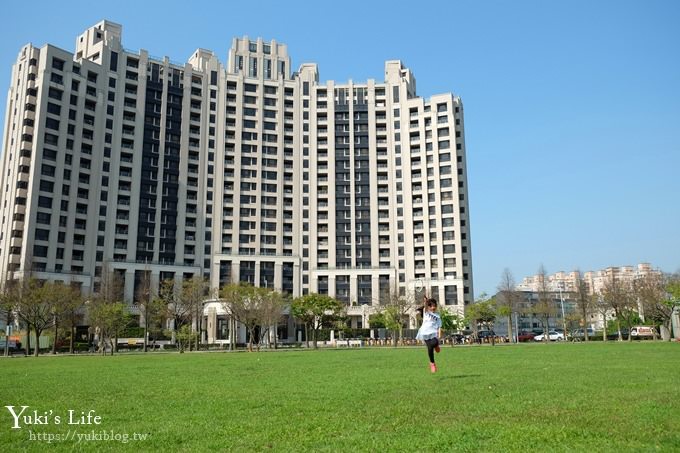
117, 161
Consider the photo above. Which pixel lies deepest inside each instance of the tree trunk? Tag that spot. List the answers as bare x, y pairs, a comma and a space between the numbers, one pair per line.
8, 320
276, 333
28, 341
56, 335
618, 326
72, 339
146, 331
314, 338
511, 339
231, 333
36, 351
198, 329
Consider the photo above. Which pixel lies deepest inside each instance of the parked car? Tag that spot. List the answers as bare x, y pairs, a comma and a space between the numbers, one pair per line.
615, 335
552, 336
525, 336
456, 338
579, 334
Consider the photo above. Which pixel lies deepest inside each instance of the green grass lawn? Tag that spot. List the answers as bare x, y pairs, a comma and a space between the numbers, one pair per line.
556, 397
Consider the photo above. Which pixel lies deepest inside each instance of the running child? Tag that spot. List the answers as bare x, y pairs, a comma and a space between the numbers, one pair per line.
431, 329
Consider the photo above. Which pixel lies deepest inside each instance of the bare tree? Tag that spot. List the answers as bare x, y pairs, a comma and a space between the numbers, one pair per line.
66, 300
107, 319
508, 299
35, 307
271, 313
72, 314
652, 291
545, 307
602, 308
178, 311
584, 302
153, 310
194, 292
244, 303
8, 298
617, 296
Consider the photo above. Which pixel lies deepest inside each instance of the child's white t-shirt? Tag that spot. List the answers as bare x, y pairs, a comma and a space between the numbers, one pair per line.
431, 324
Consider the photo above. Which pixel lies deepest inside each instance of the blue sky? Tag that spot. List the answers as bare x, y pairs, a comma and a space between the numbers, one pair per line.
572, 108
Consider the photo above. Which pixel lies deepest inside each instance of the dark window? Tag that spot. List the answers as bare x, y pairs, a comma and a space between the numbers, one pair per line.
114, 61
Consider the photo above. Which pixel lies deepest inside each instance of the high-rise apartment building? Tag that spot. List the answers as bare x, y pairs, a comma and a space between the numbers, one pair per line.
118, 161
595, 280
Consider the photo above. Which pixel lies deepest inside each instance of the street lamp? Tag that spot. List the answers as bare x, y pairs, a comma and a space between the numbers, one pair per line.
564, 320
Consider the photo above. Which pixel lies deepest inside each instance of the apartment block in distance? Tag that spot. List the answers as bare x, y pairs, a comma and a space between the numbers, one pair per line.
118, 161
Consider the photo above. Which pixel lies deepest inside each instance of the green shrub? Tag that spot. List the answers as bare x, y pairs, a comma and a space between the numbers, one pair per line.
132, 332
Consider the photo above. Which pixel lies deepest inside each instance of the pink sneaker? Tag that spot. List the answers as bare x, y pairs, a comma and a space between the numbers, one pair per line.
433, 367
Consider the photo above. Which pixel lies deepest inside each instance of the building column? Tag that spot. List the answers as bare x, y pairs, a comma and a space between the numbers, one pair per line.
353, 289
375, 289
297, 281
235, 271
155, 281
256, 277
129, 291
331, 285
215, 274
211, 328
278, 276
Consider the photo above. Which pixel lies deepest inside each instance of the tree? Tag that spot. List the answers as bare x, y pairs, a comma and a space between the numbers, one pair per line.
508, 298
602, 308
655, 293
107, 310
35, 307
316, 311
194, 292
377, 321
178, 311
545, 307
66, 302
584, 302
271, 313
143, 299
451, 322
396, 312
253, 307
483, 313
617, 295
110, 319
8, 299
184, 338
672, 299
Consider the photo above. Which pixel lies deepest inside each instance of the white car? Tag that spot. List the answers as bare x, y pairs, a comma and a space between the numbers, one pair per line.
552, 336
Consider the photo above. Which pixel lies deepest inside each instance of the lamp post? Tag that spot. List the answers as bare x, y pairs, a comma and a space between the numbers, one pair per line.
564, 320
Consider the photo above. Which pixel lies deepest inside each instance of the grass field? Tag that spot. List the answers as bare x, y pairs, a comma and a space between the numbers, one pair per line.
556, 397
